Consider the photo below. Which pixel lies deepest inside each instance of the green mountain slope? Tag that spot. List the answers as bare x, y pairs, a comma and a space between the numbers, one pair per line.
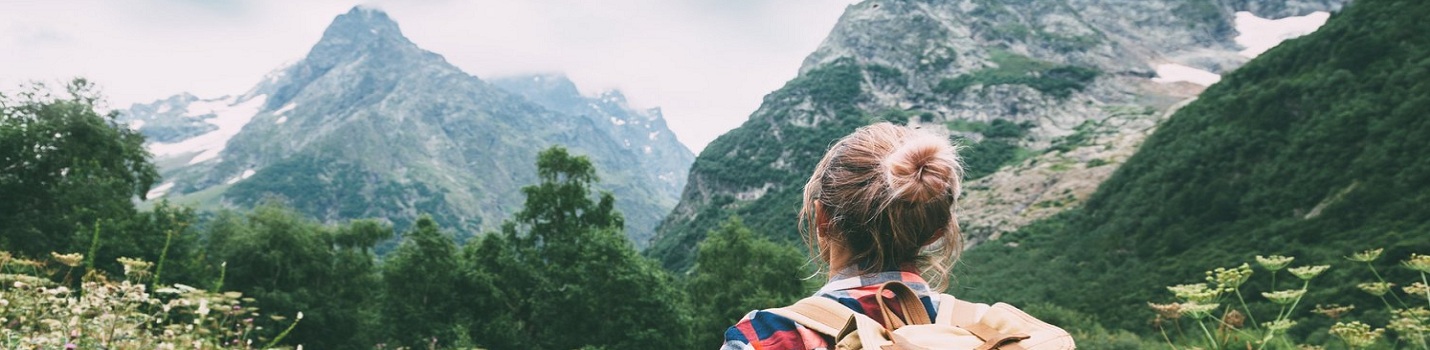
1314, 149
744, 175
1071, 89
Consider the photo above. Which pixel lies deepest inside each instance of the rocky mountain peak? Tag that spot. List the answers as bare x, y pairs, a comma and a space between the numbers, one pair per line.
359, 32
547, 89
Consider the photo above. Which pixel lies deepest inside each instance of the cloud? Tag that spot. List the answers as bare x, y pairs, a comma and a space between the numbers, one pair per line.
707, 63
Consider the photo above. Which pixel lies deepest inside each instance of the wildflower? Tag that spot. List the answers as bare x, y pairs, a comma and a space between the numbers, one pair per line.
1229, 279
5, 257
300, 315
1275, 262
1356, 334
1415, 313
1408, 328
1170, 311
1375, 288
203, 309
135, 267
1279, 325
1284, 297
1416, 288
1334, 311
27, 263
1195, 292
1418, 262
1198, 310
1308, 272
71, 259
1366, 256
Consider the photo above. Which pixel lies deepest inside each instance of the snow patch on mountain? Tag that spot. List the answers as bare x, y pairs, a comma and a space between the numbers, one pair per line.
159, 191
1171, 72
1259, 34
285, 109
245, 175
229, 116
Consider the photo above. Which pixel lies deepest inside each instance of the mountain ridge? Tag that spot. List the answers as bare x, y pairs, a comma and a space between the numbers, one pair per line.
971, 69
368, 124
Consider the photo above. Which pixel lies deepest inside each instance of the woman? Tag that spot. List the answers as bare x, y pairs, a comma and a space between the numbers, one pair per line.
879, 208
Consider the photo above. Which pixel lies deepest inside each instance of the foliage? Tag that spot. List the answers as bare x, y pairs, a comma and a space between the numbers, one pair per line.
737, 271
64, 168
561, 275
998, 147
291, 264
1235, 325
421, 281
1012, 69
41, 313
1313, 148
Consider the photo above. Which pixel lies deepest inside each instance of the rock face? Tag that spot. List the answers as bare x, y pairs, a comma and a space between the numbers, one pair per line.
1086, 79
370, 125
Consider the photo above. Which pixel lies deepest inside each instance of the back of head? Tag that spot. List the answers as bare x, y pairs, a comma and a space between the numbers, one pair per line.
889, 193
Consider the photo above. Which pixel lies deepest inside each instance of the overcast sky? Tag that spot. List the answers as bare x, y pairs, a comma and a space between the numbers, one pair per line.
706, 63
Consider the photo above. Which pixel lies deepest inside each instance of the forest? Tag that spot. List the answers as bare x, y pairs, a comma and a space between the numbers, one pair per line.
84, 267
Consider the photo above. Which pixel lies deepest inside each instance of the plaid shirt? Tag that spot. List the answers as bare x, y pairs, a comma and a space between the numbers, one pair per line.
762, 330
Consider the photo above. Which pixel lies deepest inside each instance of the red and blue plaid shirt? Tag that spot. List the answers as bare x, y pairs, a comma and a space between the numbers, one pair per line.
762, 330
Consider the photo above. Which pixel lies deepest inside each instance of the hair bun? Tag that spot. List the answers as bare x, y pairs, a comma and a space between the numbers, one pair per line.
923, 168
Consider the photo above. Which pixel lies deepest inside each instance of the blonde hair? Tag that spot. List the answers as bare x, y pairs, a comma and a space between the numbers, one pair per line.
889, 193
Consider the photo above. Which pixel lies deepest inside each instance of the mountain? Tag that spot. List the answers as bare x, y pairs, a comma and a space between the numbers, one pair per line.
642, 132
1314, 150
1048, 95
368, 124
639, 130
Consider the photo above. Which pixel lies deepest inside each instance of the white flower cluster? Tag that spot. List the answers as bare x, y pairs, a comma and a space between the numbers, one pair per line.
41, 314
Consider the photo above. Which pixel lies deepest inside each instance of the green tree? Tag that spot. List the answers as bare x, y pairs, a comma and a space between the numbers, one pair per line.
293, 264
165, 232
421, 280
65, 167
562, 274
736, 272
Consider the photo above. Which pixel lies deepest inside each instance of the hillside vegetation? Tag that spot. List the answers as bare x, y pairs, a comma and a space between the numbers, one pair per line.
1313, 150
81, 267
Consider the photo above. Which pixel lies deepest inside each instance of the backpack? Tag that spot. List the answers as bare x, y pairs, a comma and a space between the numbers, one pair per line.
960, 325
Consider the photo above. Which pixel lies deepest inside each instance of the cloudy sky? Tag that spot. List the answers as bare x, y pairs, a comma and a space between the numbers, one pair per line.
706, 63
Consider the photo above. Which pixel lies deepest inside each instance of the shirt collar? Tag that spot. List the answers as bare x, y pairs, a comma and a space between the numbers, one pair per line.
850, 278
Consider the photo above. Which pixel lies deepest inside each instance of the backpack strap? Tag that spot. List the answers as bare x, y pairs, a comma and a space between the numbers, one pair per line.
910, 306
817, 313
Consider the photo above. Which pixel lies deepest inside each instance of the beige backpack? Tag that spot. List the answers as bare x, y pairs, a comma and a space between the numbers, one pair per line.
960, 325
